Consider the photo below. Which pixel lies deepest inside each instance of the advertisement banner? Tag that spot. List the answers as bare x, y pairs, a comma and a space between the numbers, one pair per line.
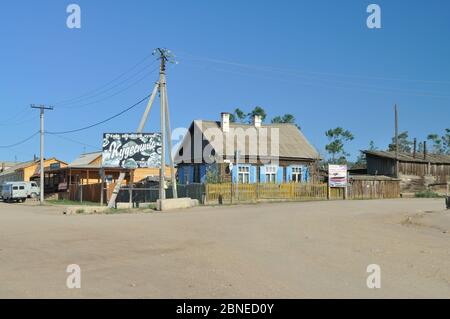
131, 150
337, 175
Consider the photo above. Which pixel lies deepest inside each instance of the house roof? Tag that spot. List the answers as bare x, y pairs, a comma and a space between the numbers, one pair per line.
85, 160
292, 142
407, 157
16, 167
25, 165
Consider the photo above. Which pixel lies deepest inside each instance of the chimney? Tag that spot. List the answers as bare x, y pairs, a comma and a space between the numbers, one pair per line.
225, 122
425, 150
257, 121
415, 148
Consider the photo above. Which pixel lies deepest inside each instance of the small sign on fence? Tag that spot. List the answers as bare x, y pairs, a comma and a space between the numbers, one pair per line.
337, 175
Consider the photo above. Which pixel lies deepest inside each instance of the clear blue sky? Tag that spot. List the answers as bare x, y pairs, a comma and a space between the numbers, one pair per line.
314, 59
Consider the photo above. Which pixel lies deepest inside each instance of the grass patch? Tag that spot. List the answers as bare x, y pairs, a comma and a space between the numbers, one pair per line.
66, 202
427, 194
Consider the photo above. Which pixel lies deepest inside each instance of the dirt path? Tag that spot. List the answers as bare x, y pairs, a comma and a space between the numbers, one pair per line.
292, 250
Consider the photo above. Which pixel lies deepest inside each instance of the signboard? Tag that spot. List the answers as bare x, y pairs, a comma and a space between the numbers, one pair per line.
55, 166
131, 150
337, 175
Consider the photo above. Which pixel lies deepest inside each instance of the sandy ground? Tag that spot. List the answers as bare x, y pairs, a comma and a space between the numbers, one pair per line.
278, 250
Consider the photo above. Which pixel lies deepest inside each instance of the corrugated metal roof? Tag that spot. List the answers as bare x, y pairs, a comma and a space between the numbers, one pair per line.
291, 141
85, 159
407, 157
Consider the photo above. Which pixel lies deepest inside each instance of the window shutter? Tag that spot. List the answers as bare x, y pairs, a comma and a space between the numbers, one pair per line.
252, 174
202, 173
234, 174
180, 172
191, 174
289, 174
262, 174
307, 174
280, 175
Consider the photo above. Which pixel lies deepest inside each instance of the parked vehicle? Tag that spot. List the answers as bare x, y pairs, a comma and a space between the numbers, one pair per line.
14, 192
33, 190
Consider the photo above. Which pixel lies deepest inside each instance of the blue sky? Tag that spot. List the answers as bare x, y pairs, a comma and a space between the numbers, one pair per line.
314, 59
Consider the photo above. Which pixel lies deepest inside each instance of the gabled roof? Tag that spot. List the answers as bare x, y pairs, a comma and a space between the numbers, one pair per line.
407, 157
25, 165
85, 160
17, 166
292, 143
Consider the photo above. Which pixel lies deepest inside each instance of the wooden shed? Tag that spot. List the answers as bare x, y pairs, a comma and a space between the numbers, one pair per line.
416, 172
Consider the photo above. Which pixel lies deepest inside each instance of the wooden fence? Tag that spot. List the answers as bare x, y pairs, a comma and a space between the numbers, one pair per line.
359, 189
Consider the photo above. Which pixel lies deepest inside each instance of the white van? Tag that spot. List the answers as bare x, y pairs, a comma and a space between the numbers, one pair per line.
14, 192
33, 190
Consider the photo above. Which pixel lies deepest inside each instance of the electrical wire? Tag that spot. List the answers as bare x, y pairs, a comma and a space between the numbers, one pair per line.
101, 92
21, 142
73, 141
231, 63
101, 122
106, 84
29, 119
116, 93
331, 83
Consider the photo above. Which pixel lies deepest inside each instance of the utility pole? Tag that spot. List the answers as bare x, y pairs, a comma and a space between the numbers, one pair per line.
396, 141
165, 56
42, 108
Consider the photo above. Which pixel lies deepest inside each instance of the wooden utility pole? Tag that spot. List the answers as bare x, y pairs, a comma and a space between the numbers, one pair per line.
396, 142
42, 108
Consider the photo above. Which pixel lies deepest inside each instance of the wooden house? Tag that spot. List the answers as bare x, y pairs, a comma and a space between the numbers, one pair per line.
217, 151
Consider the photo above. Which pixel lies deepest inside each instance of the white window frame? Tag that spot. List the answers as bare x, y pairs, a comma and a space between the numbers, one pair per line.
271, 172
244, 174
297, 174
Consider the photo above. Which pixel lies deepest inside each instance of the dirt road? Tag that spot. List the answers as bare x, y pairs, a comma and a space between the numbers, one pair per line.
292, 250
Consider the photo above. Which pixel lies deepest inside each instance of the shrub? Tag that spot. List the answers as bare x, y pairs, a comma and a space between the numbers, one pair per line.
427, 194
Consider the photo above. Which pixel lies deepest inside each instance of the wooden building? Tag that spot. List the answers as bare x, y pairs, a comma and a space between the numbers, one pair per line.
86, 170
27, 171
416, 172
217, 151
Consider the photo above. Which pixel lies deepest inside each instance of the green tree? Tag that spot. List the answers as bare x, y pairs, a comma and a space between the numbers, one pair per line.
238, 116
446, 141
286, 118
404, 145
437, 145
257, 111
337, 137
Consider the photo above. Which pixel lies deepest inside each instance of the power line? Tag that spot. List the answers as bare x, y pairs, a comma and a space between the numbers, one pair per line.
332, 84
101, 122
205, 59
73, 141
29, 119
112, 95
102, 92
106, 84
21, 142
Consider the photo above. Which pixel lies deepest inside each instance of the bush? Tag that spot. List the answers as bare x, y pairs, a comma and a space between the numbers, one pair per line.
427, 194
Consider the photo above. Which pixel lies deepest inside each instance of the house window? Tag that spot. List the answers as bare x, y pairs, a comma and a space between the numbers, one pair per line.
271, 174
196, 173
244, 174
297, 174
